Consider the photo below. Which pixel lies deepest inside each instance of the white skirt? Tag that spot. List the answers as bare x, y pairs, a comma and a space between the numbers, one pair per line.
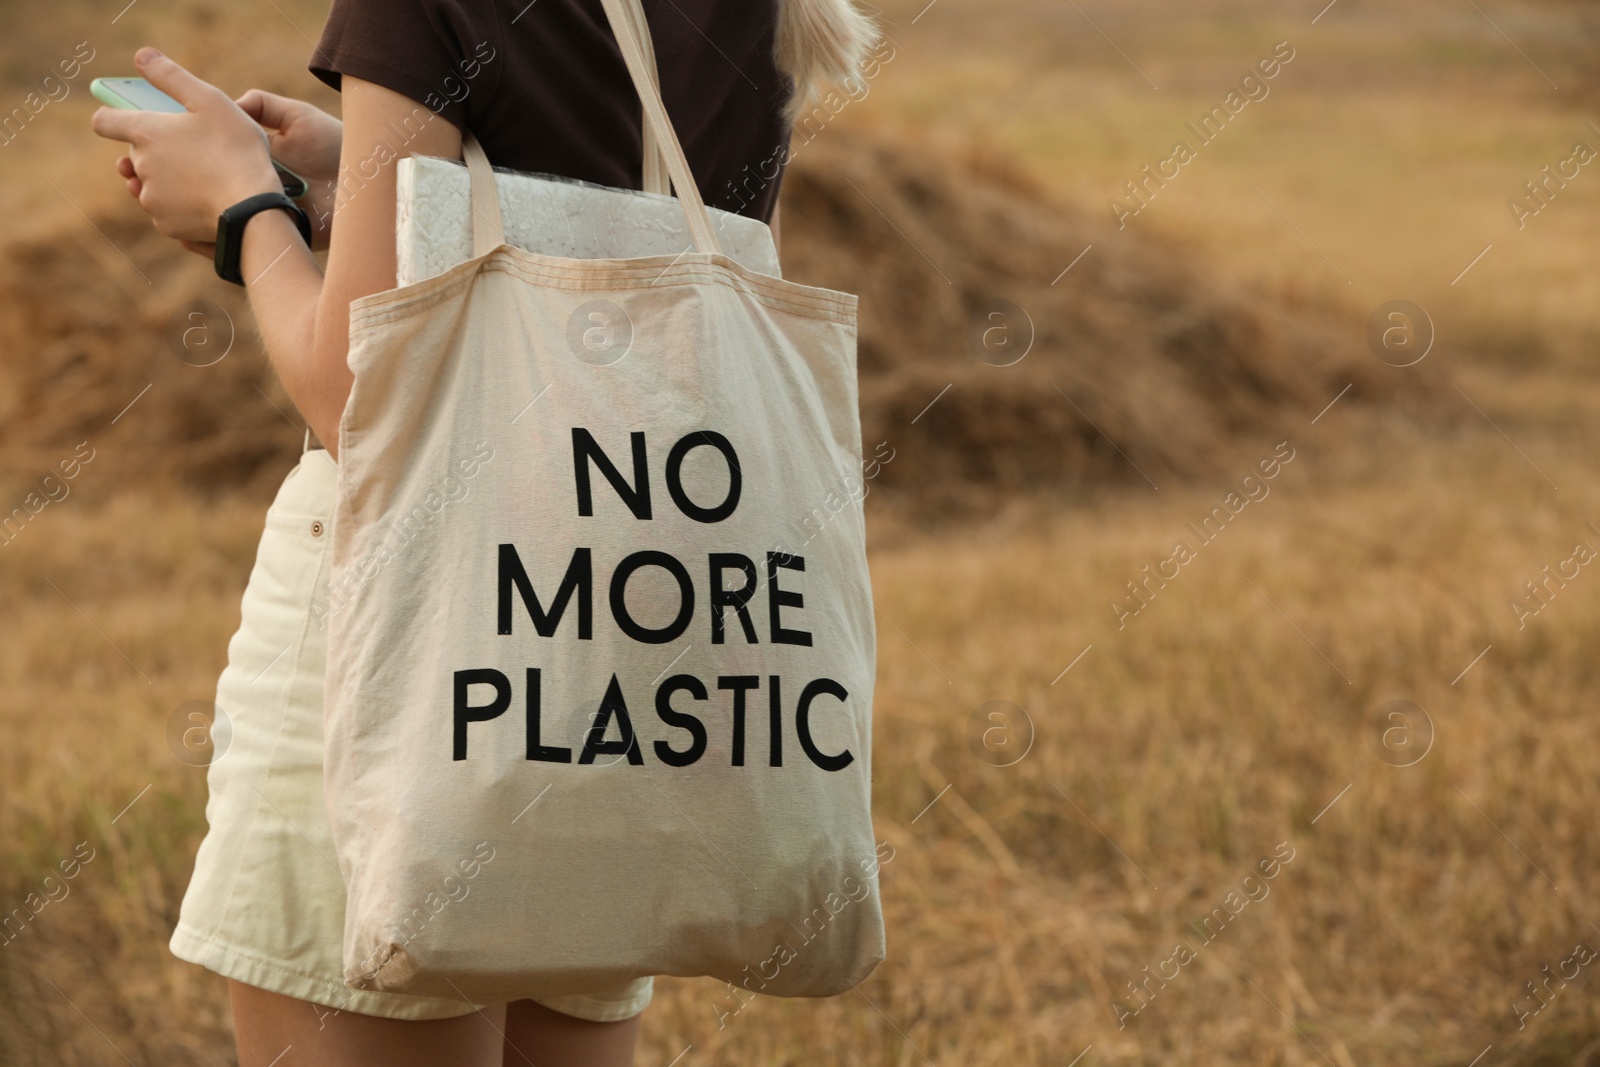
266, 903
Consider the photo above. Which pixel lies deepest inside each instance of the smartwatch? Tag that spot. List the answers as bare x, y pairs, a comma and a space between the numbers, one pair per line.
230, 229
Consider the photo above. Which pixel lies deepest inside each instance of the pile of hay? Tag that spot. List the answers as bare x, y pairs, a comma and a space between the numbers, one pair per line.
958, 263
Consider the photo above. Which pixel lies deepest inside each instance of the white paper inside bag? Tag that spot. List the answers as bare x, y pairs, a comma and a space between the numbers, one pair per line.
555, 217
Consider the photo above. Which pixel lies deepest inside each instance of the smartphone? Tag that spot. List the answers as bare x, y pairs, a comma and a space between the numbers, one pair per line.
140, 95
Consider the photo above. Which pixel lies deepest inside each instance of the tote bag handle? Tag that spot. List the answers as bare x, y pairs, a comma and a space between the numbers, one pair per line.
655, 162
488, 229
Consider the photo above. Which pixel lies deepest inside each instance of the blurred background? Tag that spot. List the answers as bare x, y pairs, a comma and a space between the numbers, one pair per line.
1365, 673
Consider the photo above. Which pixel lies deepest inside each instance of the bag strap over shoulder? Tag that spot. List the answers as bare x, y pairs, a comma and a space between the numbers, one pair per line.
627, 20
655, 175
626, 30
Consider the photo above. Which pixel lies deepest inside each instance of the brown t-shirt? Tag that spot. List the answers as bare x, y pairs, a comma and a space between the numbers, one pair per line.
543, 85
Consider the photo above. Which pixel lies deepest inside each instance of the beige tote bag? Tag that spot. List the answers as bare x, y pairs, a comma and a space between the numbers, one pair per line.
601, 646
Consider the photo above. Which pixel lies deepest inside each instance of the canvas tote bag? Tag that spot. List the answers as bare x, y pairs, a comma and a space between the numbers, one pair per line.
601, 646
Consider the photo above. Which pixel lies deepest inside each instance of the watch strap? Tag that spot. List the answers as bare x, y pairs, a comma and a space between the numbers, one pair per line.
231, 223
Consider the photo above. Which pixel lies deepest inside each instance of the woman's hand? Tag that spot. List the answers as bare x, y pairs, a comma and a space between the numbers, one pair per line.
186, 168
303, 138
306, 139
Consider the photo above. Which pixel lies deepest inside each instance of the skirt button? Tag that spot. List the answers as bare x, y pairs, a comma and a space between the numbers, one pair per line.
316, 528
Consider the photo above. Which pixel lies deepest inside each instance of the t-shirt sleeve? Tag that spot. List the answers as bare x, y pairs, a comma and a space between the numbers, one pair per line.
444, 54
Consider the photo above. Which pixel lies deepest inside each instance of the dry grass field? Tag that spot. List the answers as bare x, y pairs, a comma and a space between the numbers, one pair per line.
1080, 809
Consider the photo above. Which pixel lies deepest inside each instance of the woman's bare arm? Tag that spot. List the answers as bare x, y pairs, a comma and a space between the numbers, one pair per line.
304, 316
185, 168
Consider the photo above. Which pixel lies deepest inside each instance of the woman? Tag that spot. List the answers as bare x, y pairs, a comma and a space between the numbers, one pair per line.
543, 86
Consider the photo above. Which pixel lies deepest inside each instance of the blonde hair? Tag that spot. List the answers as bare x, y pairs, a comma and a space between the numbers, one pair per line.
820, 43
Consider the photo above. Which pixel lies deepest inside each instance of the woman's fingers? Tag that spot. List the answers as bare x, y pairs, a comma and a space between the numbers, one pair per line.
255, 103
300, 135
122, 124
172, 78
125, 168
269, 109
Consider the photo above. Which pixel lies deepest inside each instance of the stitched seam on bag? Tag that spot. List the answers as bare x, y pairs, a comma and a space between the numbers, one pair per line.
605, 274
593, 273
844, 314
